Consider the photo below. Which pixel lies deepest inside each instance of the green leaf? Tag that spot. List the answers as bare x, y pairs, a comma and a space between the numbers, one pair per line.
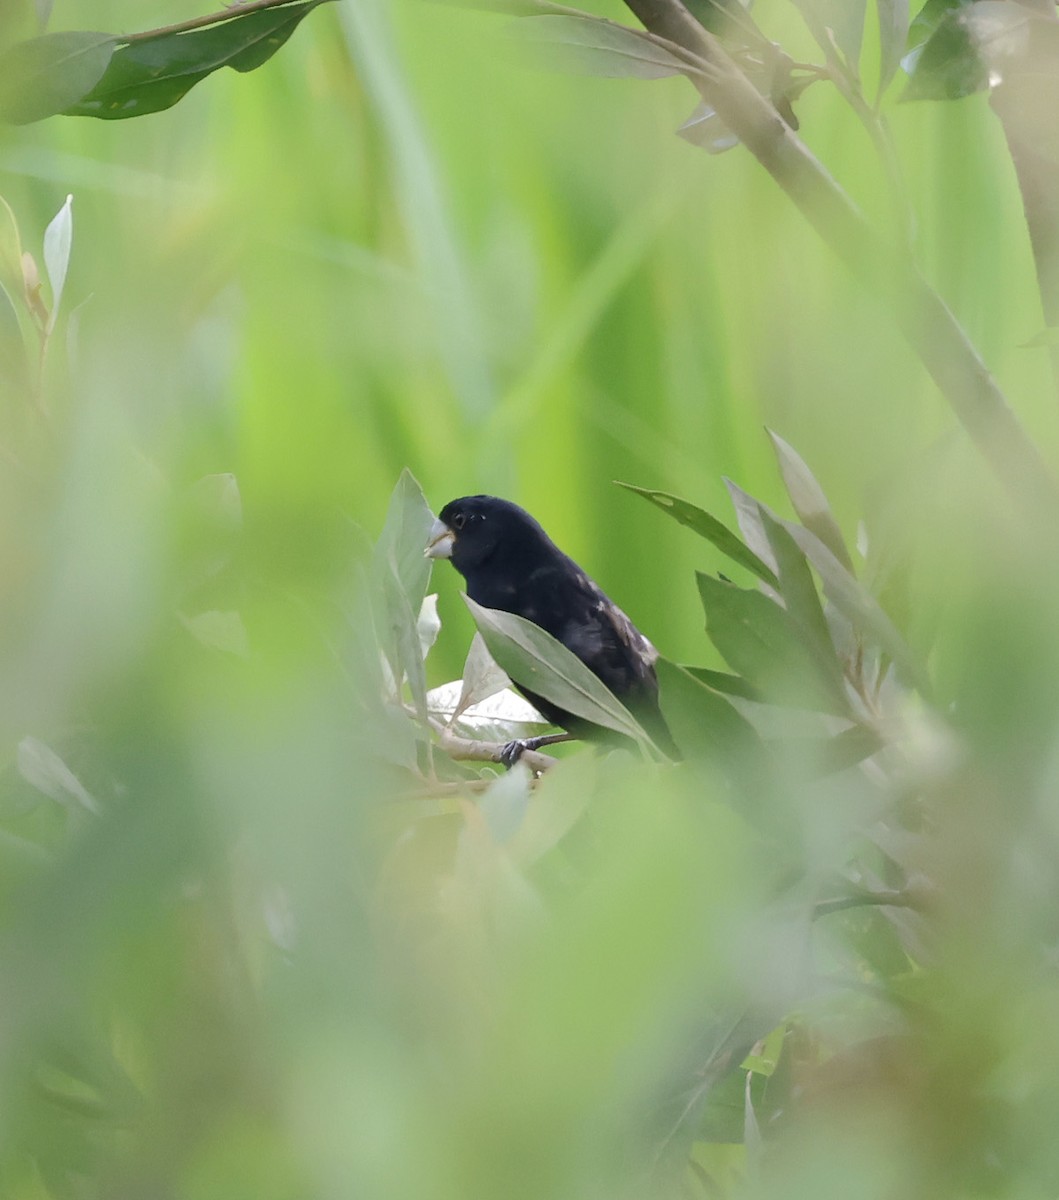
761, 642
704, 724
748, 516
949, 65
836, 22
893, 36
809, 500
58, 242
45, 75
709, 528
14, 362
802, 603
537, 661
151, 74
404, 538
857, 604
594, 46
929, 17
721, 681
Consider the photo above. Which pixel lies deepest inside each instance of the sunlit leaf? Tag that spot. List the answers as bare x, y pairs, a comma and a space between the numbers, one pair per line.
151, 74
40, 766
593, 46
46, 75
534, 659
708, 527
809, 500
428, 626
500, 717
58, 242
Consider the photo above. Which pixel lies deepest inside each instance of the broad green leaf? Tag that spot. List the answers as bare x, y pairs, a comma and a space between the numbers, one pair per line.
594, 46
58, 242
482, 677
151, 74
929, 17
762, 642
704, 724
857, 604
808, 499
501, 717
48, 74
537, 661
802, 602
948, 65
893, 36
709, 528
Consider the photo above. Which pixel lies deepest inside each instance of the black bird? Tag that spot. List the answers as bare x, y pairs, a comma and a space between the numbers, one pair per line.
510, 563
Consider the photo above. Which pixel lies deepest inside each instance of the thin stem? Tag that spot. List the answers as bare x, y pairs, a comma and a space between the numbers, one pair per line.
227, 14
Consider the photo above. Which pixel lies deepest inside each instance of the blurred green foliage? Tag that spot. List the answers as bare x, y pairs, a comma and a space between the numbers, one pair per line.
259, 936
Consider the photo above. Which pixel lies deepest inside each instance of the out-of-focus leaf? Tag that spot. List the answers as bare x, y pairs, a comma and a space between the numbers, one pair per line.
809, 500
500, 717
505, 803
559, 801
893, 36
537, 661
594, 46
762, 642
429, 624
10, 250
14, 362
837, 22
705, 129
39, 765
58, 242
48, 74
854, 601
929, 17
220, 631
950, 64
152, 74
710, 528
800, 598
1046, 337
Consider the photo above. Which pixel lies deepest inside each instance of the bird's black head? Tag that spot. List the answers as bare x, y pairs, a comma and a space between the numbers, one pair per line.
476, 530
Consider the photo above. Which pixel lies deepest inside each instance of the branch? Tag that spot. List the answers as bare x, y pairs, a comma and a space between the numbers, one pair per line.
471, 750
924, 319
228, 14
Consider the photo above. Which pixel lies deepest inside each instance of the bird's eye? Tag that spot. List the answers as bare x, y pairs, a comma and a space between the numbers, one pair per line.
458, 521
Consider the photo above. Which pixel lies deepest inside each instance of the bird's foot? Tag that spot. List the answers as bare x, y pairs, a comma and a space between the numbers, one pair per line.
512, 751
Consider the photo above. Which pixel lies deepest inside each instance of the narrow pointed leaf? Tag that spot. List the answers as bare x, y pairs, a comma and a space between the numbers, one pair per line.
152, 74
537, 661
748, 516
809, 500
58, 242
482, 676
708, 527
721, 681
594, 46
45, 75
893, 34
859, 606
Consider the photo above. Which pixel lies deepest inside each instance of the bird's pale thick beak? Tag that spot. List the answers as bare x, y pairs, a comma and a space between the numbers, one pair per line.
439, 543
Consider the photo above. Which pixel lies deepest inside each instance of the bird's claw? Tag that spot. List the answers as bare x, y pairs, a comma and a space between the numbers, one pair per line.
512, 751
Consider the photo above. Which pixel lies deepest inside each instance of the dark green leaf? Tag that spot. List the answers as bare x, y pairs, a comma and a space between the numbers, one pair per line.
45, 75
859, 606
704, 724
536, 660
761, 641
809, 500
709, 528
948, 66
594, 46
152, 74
721, 681
802, 603
929, 17
893, 36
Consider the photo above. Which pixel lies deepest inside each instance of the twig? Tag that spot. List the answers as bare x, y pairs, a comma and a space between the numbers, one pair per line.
924, 319
227, 14
823, 908
472, 750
